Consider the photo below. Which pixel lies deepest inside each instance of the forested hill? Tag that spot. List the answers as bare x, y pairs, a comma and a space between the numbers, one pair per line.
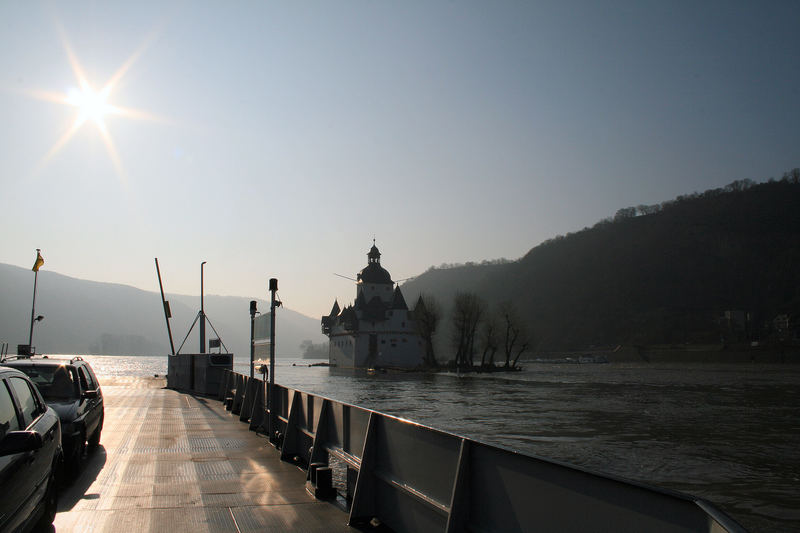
720, 265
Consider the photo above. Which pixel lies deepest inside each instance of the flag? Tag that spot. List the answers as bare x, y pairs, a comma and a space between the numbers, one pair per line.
39, 262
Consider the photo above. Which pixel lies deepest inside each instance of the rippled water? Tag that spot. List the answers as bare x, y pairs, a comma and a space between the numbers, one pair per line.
726, 433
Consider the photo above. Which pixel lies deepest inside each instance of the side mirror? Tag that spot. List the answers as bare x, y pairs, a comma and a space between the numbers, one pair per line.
90, 394
20, 441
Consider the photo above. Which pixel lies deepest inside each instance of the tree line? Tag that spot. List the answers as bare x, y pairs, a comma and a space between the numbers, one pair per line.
476, 330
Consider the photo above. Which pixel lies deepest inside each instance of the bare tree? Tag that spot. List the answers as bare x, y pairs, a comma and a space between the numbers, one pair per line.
427, 314
514, 335
468, 309
489, 339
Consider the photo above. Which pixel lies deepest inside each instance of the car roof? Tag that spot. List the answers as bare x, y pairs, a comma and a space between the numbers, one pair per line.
42, 362
7, 370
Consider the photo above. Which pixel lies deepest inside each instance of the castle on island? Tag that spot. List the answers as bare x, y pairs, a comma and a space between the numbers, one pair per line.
378, 330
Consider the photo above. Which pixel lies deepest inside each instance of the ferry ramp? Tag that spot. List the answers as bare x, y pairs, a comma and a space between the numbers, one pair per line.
173, 462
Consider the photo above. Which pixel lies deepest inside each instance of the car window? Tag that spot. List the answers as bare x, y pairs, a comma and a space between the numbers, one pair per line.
28, 403
56, 383
8, 414
84, 381
92, 376
89, 378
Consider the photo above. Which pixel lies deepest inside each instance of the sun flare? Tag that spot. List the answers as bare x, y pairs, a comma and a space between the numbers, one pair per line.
92, 105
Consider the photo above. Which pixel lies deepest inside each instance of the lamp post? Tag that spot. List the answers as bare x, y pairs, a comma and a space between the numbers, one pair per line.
253, 311
36, 265
273, 288
202, 314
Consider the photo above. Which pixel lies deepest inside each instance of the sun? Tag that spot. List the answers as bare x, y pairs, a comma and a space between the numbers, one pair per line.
92, 105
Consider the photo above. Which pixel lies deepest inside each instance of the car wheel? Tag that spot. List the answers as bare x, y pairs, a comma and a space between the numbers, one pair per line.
94, 440
50, 502
76, 461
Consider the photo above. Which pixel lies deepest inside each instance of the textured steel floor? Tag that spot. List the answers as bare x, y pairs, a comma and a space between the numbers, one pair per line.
173, 462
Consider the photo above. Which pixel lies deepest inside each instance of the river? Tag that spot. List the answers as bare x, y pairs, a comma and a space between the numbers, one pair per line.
726, 433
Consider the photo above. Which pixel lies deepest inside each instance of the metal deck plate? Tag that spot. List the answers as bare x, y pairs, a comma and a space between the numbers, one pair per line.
173, 462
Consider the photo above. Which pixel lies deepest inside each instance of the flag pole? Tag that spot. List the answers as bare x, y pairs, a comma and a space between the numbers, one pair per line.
36, 266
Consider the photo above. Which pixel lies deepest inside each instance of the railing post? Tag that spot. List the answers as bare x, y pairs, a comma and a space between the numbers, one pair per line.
258, 414
289, 448
363, 508
247, 401
459, 501
241, 385
318, 453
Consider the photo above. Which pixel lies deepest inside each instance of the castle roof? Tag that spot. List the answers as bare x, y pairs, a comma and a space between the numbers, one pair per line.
374, 272
375, 310
398, 302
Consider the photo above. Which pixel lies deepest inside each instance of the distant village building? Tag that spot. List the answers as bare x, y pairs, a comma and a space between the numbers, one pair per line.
378, 329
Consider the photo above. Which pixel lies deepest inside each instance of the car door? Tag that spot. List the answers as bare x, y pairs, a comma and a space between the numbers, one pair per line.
37, 463
88, 406
16, 489
18, 486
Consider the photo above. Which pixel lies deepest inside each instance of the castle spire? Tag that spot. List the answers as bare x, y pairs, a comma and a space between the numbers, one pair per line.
374, 255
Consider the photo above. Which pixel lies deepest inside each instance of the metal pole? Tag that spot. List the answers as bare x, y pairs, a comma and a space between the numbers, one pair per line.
167, 312
252, 337
202, 314
33, 307
273, 288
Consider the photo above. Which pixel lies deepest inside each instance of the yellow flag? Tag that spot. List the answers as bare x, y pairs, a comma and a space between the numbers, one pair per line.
39, 262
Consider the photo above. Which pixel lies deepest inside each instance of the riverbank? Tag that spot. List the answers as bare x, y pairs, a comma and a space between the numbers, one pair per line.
686, 353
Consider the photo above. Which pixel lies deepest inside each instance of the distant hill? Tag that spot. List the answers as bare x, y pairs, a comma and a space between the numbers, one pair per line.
718, 267
87, 317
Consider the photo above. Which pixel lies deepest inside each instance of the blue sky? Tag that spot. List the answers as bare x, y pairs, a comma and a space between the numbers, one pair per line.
275, 139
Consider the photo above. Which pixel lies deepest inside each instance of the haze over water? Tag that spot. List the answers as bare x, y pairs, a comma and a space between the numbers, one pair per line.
726, 433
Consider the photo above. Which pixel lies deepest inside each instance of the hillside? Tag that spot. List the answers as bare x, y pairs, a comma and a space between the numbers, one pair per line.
721, 266
104, 318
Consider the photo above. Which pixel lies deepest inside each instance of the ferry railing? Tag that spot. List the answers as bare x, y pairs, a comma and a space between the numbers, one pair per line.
414, 478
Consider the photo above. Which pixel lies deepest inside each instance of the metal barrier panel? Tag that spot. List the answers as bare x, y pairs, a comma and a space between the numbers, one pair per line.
416, 456
241, 383
514, 492
217, 365
410, 471
357, 421
416, 479
258, 416
223, 384
247, 401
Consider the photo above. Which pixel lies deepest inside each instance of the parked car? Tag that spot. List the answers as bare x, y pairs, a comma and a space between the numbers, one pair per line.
72, 389
30, 454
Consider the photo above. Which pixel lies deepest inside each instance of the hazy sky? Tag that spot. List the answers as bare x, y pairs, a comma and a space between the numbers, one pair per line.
275, 139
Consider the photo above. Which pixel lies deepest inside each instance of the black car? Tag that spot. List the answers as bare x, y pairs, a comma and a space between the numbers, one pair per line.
30, 454
71, 388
